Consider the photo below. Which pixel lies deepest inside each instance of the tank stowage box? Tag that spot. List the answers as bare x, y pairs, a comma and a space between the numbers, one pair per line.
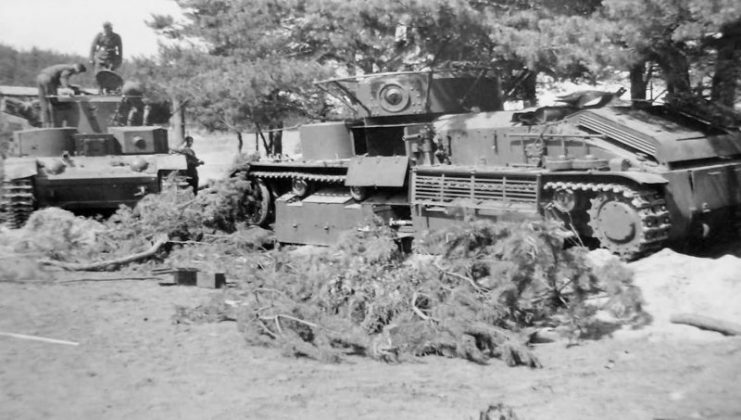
43, 142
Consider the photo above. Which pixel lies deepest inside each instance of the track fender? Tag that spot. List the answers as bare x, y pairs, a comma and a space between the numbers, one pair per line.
642, 177
17, 168
171, 163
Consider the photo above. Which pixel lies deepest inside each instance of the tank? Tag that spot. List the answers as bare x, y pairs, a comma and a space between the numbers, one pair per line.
100, 153
429, 148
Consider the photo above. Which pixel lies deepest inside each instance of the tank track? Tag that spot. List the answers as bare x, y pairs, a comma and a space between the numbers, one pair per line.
19, 202
300, 175
644, 210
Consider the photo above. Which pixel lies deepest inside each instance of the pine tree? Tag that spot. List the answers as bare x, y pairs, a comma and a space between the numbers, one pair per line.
680, 36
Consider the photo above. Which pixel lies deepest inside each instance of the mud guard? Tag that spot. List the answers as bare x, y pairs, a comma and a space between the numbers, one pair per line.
171, 163
17, 168
642, 177
377, 171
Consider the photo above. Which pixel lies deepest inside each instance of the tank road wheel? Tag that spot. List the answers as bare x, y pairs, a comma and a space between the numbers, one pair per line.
564, 200
169, 180
567, 206
19, 201
300, 187
258, 204
358, 193
629, 223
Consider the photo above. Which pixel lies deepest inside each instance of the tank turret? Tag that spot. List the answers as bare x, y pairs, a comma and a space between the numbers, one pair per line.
420, 93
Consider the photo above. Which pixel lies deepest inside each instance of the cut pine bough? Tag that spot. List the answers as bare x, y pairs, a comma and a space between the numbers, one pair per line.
37, 338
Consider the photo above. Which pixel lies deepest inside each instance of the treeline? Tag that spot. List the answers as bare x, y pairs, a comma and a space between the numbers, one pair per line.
20, 67
250, 64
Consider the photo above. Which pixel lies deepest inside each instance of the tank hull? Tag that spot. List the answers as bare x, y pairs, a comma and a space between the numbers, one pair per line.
79, 192
631, 180
84, 182
63, 167
701, 202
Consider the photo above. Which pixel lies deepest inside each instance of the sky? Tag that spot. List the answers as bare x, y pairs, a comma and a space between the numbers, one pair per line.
69, 26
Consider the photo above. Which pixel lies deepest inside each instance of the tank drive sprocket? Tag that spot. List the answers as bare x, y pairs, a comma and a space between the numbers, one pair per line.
629, 222
19, 201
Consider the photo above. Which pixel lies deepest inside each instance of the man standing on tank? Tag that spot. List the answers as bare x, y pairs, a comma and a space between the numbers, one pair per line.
48, 81
106, 53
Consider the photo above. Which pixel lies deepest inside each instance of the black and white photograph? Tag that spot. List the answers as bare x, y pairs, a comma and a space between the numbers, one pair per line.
370, 209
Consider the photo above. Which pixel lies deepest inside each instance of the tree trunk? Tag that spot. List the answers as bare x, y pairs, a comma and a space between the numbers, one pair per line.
268, 146
240, 142
638, 83
727, 63
676, 69
276, 138
177, 121
271, 139
279, 140
529, 95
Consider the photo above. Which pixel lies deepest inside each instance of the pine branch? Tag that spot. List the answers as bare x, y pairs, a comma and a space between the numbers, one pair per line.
110, 263
460, 277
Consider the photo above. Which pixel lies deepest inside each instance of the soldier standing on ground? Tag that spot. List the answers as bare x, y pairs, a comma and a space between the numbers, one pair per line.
48, 81
106, 53
192, 163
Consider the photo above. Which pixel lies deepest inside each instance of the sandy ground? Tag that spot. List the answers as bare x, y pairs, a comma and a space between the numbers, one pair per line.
133, 362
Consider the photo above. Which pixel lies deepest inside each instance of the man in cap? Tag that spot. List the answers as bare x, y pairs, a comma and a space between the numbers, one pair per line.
191, 161
106, 53
48, 81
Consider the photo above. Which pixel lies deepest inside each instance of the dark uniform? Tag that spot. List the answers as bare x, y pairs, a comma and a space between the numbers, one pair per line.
106, 53
48, 81
192, 163
132, 110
